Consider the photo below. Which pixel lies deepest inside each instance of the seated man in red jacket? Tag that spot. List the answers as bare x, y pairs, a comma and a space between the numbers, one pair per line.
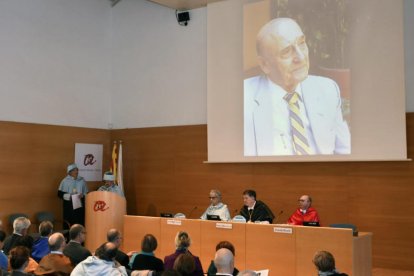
305, 213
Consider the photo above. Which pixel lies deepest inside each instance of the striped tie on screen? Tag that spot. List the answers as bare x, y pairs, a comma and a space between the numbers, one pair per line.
300, 142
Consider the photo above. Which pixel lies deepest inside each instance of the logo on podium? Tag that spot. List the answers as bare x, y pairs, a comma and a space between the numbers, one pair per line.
100, 205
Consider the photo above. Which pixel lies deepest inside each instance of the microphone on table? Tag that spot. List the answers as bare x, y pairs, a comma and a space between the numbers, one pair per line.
192, 210
278, 216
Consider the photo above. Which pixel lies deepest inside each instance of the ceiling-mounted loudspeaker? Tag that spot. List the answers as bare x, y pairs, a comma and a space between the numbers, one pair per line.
182, 17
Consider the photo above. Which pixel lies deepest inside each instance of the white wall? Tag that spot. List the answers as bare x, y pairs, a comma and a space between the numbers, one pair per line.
56, 67
159, 68
54, 62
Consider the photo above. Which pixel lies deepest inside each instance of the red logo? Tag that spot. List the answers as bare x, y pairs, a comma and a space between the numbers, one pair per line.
89, 159
100, 206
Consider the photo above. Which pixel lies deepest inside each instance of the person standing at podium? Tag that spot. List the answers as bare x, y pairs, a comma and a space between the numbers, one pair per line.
72, 188
110, 185
305, 213
217, 207
255, 210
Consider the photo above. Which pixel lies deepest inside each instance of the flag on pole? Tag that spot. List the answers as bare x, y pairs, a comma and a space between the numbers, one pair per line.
119, 175
113, 163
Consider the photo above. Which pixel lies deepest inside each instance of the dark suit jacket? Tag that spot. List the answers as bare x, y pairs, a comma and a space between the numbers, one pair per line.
11, 241
76, 252
143, 262
122, 258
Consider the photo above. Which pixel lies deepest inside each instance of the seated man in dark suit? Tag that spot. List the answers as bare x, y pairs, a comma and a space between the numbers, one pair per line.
255, 210
325, 263
20, 227
74, 250
115, 237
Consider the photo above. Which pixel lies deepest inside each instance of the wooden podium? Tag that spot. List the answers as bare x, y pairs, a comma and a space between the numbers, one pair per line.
103, 211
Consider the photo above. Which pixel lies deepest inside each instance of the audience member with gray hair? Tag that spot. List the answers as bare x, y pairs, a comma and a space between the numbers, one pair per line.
103, 263
217, 207
114, 236
20, 227
224, 262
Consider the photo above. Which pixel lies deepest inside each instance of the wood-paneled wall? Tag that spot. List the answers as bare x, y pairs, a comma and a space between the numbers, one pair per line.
33, 161
164, 172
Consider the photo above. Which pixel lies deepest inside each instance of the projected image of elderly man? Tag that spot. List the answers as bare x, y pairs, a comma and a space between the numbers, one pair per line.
286, 110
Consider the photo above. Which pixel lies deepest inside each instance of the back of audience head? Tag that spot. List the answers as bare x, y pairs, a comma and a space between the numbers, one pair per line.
56, 242
19, 257
247, 273
75, 232
226, 244
182, 240
45, 228
26, 241
21, 225
114, 236
224, 261
107, 251
185, 264
149, 243
324, 261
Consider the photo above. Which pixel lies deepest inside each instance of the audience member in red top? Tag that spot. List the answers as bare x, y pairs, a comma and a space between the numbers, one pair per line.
305, 213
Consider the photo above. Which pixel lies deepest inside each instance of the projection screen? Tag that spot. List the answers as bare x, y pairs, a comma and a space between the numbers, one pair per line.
343, 58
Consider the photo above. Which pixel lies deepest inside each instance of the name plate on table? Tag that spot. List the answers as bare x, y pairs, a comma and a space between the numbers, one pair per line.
282, 230
173, 222
224, 225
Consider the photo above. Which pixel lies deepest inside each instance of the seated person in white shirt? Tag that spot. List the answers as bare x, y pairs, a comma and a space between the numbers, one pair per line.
217, 207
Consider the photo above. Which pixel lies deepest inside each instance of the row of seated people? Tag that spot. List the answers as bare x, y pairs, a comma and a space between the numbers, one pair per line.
58, 258
254, 210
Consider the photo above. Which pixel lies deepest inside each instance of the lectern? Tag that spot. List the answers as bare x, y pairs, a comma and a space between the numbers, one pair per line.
104, 210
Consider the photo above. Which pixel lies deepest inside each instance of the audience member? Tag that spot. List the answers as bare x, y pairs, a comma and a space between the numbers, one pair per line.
185, 264
19, 259
171, 272
325, 263
305, 213
255, 210
182, 243
103, 263
55, 263
27, 241
74, 250
115, 237
20, 227
216, 207
212, 270
3, 257
224, 262
41, 246
146, 258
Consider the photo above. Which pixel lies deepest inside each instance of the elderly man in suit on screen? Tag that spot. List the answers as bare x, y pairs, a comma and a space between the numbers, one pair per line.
287, 111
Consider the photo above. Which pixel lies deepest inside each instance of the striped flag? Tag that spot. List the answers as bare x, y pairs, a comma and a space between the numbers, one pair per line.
119, 175
114, 163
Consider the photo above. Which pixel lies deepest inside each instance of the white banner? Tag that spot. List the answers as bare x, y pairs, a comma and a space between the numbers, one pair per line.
88, 157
